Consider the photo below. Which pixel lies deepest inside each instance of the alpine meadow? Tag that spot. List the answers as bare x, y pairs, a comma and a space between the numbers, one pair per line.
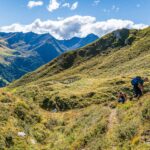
62, 89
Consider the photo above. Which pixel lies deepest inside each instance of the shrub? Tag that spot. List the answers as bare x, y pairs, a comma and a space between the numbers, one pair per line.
126, 131
90, 94
4, 114
40, 134
48, 104
53, 123
120, 82
6, 100
9, 141
21, 110
63, 104
146, 111
2, 142
33, 118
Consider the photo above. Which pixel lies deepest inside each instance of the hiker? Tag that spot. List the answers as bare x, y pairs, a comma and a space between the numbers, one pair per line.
138, 86
122, 97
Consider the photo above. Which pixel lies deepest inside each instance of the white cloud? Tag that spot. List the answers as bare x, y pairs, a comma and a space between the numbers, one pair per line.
71, 6
115, 8
67, 28
106, 10
96, 2
74, 6
32, 4
60, 18
112, 9
66, 5
53, 5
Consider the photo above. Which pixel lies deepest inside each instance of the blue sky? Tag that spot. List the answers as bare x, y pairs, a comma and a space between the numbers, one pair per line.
12, 11
18, 11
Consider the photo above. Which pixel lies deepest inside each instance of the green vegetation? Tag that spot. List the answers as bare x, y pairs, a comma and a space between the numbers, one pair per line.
70, 103
21, 53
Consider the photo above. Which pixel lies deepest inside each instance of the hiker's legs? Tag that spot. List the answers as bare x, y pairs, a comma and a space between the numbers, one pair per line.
137, 92
121, 100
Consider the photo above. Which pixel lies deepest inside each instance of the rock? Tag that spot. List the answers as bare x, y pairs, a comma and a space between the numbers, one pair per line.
117, 35
54, 110
21, 134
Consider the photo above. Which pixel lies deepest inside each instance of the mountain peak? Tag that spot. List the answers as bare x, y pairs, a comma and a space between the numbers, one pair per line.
25, 52
92, 35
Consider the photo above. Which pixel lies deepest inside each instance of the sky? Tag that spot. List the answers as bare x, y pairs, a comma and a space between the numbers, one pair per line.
68, 18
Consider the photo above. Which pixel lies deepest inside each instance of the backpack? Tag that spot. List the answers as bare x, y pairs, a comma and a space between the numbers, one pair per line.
136, 81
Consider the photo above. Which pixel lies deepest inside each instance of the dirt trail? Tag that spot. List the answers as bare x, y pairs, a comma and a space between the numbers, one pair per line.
112, 122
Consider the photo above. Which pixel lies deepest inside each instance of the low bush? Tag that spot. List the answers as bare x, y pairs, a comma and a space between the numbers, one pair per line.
6, 100
2, 142
51, 124
40, 134
4, 114
48, 104
21, 110
146, 111
9, 141
126, 131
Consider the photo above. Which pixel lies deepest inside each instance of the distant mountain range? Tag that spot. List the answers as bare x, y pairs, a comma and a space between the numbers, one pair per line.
24, 52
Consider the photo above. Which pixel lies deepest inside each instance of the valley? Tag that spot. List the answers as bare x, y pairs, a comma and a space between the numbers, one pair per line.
21, 53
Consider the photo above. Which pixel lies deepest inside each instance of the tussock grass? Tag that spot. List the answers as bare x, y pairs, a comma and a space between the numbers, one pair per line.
83, 92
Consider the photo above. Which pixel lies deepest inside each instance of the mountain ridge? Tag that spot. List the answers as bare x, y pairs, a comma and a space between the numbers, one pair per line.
30, 51
70, 59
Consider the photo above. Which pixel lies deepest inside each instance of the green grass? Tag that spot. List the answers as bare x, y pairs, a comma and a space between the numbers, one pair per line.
84, 93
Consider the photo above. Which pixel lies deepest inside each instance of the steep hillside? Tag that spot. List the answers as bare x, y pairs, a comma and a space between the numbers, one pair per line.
70, 103
24, 52
118, 53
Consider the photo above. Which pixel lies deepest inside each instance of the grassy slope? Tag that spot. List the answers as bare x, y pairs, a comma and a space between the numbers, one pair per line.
84, 93
21, 53
5, 52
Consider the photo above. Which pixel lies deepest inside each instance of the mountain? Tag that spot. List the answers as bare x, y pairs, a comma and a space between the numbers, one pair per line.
24, 52
70, 103
76, 42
